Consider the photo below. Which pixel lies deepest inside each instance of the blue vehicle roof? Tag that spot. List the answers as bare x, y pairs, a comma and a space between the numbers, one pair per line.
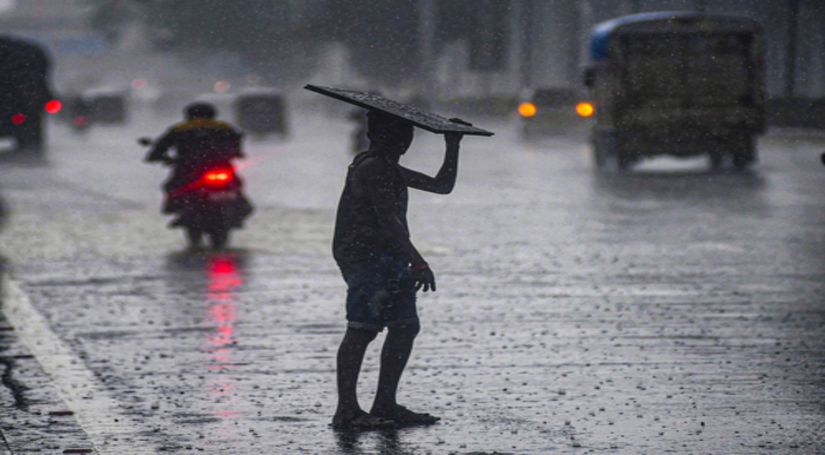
600, 35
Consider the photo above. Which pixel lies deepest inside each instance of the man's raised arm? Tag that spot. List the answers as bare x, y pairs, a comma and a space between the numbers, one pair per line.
444, 181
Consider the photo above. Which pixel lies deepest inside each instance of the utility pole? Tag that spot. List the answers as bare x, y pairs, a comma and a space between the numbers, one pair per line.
791, 48
526, 29
426, 34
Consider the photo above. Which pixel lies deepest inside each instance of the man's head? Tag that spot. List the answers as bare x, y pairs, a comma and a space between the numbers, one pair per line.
388, 133
200, 110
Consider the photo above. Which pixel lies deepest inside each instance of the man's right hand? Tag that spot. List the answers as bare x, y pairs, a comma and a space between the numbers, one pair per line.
453, 139
424, 279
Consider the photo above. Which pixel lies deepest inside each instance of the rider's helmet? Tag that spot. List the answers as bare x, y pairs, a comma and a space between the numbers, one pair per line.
200, 110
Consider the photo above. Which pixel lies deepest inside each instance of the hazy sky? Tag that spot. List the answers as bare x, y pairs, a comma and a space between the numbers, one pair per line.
6, 5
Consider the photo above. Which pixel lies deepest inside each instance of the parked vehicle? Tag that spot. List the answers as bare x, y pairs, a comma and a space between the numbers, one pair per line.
77, 113
107, 106
100, 106
261, 112
25, 95
554, 111
677, 83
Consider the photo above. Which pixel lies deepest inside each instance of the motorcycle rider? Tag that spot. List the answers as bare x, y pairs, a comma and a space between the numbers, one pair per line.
200, 142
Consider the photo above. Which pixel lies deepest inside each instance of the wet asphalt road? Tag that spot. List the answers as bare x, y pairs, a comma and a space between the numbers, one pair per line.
670, 310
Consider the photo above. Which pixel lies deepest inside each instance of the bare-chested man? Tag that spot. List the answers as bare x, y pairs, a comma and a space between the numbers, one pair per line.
382, 268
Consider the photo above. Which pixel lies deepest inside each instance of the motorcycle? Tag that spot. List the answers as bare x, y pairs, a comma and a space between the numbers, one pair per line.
213, 203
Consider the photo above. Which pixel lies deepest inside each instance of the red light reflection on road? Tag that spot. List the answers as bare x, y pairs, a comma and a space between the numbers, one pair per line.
221, 312
223, 335
223, 278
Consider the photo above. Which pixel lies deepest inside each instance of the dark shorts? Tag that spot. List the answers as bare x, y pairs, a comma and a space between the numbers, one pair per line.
381, 295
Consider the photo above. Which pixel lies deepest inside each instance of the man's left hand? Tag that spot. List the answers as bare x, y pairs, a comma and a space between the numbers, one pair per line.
424, 279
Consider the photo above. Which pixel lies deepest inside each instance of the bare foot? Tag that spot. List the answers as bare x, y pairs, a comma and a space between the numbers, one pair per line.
361, 421
403, 416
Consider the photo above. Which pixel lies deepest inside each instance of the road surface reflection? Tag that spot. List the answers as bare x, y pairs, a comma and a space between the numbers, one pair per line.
223, 277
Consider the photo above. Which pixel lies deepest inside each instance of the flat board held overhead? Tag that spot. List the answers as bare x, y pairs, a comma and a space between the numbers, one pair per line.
422, 119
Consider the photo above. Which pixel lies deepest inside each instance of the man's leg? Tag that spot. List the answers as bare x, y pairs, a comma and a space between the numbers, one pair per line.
394, 356
350, 357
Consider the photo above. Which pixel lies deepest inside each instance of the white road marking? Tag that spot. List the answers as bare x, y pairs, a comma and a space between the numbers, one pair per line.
5, 442
97, 412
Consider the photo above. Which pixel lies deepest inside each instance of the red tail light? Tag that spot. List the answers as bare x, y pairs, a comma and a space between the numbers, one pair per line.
218, 177
54, 106
18, 119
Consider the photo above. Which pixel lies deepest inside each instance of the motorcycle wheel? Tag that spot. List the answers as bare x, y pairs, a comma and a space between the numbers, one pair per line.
194, 237
219, 238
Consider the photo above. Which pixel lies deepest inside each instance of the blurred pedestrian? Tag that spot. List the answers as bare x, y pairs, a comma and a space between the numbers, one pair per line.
382, 268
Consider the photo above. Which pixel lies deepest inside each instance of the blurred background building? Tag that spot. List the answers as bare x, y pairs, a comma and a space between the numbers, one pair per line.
445, 48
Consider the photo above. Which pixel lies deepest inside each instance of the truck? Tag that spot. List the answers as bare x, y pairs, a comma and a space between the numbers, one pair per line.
25, 95
676, 83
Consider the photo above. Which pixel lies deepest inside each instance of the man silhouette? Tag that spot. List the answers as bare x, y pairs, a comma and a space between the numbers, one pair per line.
382, 268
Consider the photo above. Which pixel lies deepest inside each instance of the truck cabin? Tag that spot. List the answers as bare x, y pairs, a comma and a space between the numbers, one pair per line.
677, 59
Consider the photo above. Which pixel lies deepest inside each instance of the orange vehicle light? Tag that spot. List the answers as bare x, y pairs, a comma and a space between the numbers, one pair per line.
527, 109
585, 109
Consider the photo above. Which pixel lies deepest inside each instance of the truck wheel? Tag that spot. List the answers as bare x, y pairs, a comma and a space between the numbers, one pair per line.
624, 158
624, 162
609, 154
717, 160
601, 151
599, 157
744, 153
30, 138
741, 161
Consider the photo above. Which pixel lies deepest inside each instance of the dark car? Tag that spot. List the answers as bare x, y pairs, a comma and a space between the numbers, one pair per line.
24, 93
554, 111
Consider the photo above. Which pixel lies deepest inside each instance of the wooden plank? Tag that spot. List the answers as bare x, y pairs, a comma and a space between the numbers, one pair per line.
422, 119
